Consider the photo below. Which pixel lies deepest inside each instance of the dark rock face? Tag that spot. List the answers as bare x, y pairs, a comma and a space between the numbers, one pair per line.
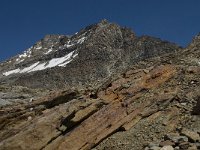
196, 109
195, 42
106, 51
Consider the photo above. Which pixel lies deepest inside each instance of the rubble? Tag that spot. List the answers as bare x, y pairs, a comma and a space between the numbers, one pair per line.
152, 104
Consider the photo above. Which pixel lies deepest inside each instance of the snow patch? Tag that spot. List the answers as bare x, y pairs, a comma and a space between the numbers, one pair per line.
38, 67
40, 47
21, 57
11, 72
65, 63
20, 60
71, 43
56, 61
61, 62
81, 40
27, 69
68, 45
49, 51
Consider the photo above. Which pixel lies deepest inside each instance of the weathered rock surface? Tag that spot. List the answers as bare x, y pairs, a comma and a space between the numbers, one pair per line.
191, 135
142, 94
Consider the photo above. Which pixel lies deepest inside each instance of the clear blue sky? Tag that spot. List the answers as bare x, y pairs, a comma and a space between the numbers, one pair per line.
23, 22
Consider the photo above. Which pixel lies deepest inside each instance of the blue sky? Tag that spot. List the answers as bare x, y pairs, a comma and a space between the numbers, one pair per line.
24, 22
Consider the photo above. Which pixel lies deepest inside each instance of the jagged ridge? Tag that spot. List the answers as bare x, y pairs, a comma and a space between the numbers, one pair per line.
95, 53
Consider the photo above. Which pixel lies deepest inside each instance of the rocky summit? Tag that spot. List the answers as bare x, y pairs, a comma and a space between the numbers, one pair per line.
103, 88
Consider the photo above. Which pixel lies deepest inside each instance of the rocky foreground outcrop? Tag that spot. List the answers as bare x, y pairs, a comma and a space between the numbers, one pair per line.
153, 104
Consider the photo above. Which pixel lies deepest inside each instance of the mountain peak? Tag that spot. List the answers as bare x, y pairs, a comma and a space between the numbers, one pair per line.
195, 42
197, 37
72, 92
94, 53
104, 21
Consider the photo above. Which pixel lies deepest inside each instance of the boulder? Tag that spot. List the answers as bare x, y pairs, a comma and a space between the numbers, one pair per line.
193, 136
167, 148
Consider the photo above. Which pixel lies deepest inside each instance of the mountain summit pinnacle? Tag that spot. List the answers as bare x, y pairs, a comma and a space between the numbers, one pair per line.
195, 42
93, 54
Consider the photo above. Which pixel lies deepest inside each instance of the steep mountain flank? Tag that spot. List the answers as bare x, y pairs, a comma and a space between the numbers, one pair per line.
95, 53
118, 91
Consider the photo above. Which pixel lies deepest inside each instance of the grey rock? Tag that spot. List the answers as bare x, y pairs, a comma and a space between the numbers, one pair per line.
176, 138
194, 136
107, 51
153, 144
154, 148
167, 148
177, 148
184, 145
165, 143
197, 145
4, 102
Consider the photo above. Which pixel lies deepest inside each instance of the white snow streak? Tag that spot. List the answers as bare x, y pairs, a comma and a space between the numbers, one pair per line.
80, 41
38, 67
40, 47
24, 55
27, 69
71, 43
57, 61
61, 62
68, 45
65, 63
49, 51
11, 72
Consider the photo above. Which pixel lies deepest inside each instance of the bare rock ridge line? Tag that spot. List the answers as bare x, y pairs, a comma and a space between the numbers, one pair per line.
102, 88
93, 54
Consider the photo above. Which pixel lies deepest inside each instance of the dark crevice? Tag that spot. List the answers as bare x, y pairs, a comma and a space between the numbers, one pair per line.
49, 142
121, 129
196, 109
66, 121
94, 95
123, 75
70, 125
60, 100
109, 85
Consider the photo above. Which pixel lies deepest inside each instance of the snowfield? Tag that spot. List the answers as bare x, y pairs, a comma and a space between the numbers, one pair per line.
61, 62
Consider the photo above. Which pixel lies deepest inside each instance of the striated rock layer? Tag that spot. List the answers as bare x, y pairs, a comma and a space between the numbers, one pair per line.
119, 92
